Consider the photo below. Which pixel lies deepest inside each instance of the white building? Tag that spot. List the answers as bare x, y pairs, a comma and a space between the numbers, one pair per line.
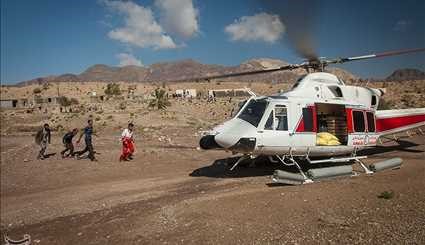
186, 93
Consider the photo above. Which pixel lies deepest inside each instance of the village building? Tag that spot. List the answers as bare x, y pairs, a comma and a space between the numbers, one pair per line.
10, 103
185, 93
215, 93
95, 97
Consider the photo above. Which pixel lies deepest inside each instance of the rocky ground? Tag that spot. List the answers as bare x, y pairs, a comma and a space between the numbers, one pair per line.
173, 193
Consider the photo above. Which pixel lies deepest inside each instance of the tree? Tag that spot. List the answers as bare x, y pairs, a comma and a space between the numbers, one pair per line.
159, 100
64, 101
36, 91
113, 89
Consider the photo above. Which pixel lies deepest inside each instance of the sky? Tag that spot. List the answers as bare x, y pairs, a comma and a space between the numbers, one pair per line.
53, 37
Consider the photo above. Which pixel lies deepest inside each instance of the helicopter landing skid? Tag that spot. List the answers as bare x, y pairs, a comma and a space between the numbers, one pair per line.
288, 160
357, 159
292, 163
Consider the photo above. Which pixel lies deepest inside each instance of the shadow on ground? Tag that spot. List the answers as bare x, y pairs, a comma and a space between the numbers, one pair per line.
220, 168
401, 145
260, 166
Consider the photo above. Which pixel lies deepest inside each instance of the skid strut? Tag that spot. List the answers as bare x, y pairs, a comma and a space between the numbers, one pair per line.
242, 158
292, 163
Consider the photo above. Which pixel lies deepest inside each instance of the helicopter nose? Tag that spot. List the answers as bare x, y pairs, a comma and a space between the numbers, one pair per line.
208, 142
237, 135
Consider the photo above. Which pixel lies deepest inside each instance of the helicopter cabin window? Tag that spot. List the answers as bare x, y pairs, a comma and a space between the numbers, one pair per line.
370, 122
336, 91
279, 121
253, 112
281, 118
373, 102
358, 119
308, 119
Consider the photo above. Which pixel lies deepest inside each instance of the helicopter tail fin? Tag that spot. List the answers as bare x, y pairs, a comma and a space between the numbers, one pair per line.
396, 121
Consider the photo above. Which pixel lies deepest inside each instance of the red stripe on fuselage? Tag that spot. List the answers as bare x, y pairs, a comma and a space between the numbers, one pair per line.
385, 124
300, 127
348, 112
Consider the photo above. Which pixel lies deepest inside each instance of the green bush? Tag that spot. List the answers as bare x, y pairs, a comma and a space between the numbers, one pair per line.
159, 100
113, 89
64, 101
386, 195
36, 91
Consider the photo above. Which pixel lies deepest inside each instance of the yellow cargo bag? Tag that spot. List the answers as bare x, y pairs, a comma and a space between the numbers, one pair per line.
327, 136
321, 141
333, 142
327, 139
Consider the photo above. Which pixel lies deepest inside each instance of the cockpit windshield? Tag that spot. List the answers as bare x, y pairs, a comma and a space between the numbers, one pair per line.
237, 109
253, 112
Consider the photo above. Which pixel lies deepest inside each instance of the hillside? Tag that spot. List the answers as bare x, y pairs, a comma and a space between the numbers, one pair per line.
406, 74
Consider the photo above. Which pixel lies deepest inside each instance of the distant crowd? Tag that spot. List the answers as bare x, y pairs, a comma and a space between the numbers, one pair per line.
43, 137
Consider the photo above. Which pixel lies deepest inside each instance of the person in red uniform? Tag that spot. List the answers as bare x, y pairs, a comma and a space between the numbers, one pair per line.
127, 140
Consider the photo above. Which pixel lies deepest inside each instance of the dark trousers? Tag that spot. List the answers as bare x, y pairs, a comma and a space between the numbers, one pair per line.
68, 147
89, 148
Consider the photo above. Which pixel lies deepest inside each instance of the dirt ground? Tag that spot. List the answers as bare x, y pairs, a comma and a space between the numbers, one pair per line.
175, 194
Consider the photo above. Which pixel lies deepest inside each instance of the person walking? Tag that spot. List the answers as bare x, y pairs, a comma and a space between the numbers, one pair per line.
43, 139
87, 132
67, 141
127, 139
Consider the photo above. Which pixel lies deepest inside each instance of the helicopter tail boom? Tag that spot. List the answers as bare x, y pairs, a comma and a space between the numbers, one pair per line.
396, 121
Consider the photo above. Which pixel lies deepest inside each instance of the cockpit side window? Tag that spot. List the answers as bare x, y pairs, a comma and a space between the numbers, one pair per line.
281, 118
253, 112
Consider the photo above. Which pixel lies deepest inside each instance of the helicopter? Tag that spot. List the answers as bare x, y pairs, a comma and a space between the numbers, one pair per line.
286, 126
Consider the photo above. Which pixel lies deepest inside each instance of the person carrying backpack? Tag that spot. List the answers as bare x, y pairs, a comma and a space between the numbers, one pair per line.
67, 141
42, 138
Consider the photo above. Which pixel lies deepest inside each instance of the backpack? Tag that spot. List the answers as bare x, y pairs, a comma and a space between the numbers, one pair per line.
39, 137
66, 137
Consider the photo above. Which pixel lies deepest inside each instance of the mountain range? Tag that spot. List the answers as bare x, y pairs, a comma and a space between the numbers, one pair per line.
187, 69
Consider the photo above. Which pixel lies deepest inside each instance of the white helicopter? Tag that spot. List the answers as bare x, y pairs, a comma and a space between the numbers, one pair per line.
286, 126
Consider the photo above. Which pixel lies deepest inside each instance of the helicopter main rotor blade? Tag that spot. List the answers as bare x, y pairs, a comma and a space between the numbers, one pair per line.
246, 73
371, 56
317, 64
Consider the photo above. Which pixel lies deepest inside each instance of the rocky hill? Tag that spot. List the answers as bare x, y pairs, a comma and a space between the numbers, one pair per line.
406, 74
182, 70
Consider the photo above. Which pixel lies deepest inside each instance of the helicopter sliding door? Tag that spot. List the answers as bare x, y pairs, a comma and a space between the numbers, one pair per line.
331, 118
